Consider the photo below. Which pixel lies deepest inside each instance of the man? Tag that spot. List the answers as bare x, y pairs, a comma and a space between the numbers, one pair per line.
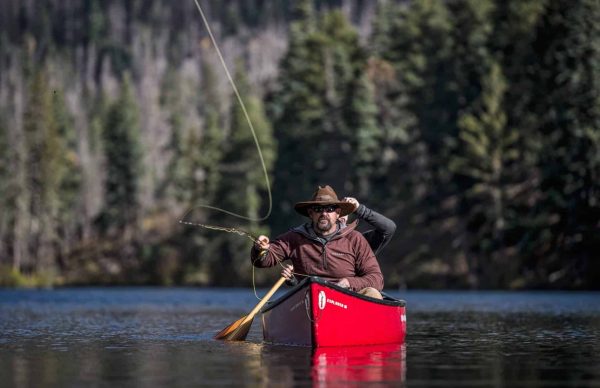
324, 247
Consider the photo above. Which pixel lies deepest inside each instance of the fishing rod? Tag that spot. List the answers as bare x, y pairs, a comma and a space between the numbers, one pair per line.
227, 229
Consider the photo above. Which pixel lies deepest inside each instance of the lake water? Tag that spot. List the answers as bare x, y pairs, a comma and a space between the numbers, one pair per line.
153, 337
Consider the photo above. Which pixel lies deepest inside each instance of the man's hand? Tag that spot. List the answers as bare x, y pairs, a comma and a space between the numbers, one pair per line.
352, 201
344, 283
287, 272
262, 243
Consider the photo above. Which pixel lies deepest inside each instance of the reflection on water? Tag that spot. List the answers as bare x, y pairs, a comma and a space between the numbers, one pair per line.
334, 366
163, 337
382, 363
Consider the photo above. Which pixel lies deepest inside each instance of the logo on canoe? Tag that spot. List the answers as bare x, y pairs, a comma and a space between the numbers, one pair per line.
322, 300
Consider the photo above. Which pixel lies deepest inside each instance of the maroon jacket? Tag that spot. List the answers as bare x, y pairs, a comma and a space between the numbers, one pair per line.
346, 255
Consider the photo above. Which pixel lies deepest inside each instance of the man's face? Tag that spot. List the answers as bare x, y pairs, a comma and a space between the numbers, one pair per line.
324, 218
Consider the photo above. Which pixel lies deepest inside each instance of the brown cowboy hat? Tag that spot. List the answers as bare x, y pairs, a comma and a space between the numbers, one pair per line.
324, 196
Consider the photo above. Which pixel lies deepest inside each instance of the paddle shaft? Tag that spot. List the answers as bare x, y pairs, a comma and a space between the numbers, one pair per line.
264, 300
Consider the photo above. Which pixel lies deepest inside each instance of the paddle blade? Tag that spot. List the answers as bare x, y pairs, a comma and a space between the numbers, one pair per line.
237, 331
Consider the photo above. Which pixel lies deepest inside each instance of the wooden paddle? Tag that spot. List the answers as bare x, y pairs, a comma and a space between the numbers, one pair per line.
238, 330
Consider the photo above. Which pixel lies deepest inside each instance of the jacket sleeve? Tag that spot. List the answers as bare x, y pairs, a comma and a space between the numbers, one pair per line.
384, 228
278, 251
368, 273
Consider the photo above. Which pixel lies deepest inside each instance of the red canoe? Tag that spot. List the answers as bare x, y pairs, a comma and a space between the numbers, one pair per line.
317, 313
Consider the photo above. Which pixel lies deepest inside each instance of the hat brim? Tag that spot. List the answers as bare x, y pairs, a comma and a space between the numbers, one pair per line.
345, 207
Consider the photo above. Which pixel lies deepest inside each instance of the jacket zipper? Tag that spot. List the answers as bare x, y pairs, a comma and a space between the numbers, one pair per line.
324, 254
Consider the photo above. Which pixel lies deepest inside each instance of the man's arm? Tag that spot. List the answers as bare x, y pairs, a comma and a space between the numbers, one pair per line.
267, 254
384, 227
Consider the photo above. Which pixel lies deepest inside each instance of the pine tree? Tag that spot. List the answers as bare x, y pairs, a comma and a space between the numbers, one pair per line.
365, 135
242, 188
213, 135
173, 188
567, 108
92, 170
69, 174
486, 156
398, 142
7, 197
317, 109
382, 38
42, 154
421, 54
194, 172
123, 165
515, 21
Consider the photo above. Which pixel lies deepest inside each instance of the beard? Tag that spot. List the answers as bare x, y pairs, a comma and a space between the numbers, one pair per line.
323, 225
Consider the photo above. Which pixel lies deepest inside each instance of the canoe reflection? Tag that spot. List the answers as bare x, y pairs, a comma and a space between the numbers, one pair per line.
334, 366
376, 363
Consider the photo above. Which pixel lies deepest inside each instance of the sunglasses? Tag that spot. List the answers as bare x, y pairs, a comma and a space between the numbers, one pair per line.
326, 209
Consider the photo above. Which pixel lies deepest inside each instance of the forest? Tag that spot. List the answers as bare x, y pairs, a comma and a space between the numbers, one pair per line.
473, 124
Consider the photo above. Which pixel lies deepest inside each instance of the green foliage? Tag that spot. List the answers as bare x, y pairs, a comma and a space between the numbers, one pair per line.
40, 138
421, 53
8, 194
43, 154
68, 171
365, 137
382, 37
243, 187
47, 177
398, 144
97, 27
12, 277
212, 149
123, 164
565, 101
176, 176
324, 112
486, 158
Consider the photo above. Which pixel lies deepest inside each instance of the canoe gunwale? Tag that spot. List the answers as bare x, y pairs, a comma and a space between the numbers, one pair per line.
387, 301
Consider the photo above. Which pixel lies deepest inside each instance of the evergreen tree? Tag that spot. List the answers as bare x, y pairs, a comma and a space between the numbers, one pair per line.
15, 197
213, 136
322, 85
42, 175
471, 59
515, 21
242, 188
348, 102
486, 157
382, 38
92, 170
366, 137
7, 195
398, 143
69, 175
193, 174
566, 103
421, 53
123, 155
48, 203
176, 175
430, 59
